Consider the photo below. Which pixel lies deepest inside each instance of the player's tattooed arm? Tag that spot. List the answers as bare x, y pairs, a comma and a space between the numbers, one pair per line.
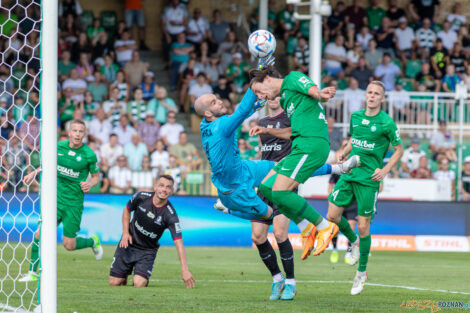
322, 95
281, 133
186, 275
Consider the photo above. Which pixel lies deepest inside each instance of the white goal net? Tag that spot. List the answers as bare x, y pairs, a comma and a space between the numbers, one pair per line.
20, 26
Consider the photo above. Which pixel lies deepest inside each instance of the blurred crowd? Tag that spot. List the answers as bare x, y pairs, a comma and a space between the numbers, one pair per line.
132, 117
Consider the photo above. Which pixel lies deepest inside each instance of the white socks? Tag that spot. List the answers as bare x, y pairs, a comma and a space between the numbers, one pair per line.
278, 277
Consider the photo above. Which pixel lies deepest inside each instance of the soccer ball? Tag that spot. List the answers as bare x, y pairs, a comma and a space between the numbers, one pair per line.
261, 43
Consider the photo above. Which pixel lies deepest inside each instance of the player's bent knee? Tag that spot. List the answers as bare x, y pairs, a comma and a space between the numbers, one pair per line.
363, 228
258, 238
333, 217
140, 281
116, 281
69, 243
280, 236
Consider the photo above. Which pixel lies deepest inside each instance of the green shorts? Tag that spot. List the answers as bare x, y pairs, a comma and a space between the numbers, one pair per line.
307, 155
70, 217
346, 191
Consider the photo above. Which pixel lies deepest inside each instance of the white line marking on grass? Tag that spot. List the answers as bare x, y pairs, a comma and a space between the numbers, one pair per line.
298, 281
12, 309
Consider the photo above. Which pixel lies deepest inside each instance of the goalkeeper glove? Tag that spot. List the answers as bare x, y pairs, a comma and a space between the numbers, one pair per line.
266, 61
259, 104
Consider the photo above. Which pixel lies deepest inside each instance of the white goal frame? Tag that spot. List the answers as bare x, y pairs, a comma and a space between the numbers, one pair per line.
48, 204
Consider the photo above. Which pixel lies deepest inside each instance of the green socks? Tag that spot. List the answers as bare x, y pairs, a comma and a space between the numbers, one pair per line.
294, 206
347, 231
289, 203
83, 243
33, 266
364, 249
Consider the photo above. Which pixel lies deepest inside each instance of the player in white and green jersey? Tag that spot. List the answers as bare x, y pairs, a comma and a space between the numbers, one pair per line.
301, 100
75, 161
372, 131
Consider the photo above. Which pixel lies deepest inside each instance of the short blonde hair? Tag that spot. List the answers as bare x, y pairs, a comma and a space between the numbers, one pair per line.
378, 83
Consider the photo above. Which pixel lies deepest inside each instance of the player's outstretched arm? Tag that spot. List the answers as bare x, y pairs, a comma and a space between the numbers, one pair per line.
245, 109
322, 95
281, 133
126, 238
185, 273
380, 173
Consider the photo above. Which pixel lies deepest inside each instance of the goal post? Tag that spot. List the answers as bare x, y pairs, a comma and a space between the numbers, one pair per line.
28, 140
48, 244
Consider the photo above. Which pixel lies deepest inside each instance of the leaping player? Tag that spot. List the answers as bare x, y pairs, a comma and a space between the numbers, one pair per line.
234, 178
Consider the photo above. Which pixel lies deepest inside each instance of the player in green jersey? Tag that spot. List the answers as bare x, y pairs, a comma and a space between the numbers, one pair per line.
75, 161
301, 100
372, 131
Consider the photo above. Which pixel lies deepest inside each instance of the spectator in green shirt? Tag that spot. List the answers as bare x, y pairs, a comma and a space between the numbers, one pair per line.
288, 24
271, 18
94, 31
179, 54
245, 153
161, 104
237, 72
66, 107
109, 70
65, 65
8, 23
98, 89
375, 14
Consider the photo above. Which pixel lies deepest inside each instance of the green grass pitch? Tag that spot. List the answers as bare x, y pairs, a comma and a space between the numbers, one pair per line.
235, 280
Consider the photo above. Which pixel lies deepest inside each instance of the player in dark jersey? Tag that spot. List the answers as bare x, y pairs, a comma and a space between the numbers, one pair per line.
153, 213
275, 149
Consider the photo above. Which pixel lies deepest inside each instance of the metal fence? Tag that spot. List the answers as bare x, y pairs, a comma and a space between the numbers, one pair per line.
412, 111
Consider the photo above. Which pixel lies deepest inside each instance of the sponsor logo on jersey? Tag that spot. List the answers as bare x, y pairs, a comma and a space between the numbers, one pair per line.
365, 122
363, 144
304, 80
170, 209
206, 133
71, 153
177, 227
67, 172
151, 215
145, 232
373, 128
290, 110
141, 208
269, 126
273, 147
146, 194
158, 221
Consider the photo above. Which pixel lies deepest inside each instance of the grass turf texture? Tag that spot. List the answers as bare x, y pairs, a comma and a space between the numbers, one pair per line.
235, 280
